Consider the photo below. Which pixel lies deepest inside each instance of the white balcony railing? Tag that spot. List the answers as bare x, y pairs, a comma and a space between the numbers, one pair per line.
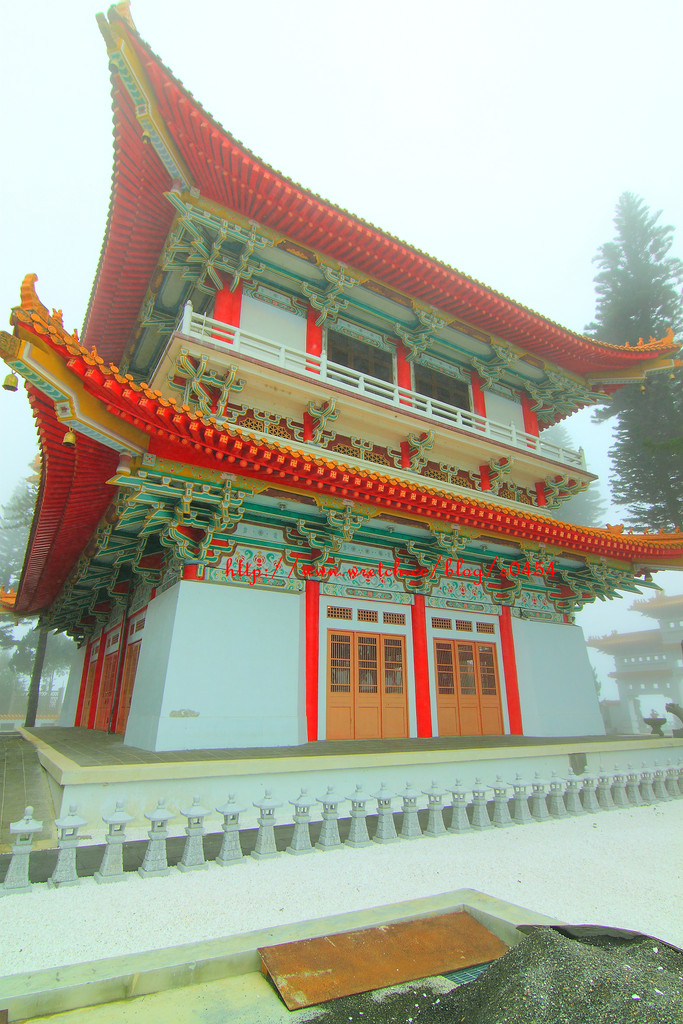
219, 335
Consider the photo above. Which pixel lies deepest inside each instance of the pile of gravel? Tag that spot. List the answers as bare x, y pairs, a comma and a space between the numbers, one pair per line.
549, 978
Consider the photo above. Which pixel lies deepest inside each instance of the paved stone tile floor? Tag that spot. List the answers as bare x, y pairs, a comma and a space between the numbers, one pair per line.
93, 747
23, 783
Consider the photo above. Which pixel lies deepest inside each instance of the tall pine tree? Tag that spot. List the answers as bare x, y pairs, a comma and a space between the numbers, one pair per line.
640, 295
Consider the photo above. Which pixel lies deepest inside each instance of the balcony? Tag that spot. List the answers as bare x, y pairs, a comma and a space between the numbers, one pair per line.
220, 336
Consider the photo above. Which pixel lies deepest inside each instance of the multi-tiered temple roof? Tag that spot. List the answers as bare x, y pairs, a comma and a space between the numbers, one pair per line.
178, 176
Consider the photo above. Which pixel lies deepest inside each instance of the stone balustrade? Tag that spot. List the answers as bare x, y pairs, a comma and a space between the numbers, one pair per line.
532, 800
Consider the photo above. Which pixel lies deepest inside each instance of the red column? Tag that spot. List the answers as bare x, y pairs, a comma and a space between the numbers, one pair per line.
478, 397
423, 702
228, 305
312, 653
540, 493
96, 681
404, 377
84, 680
485, 478
530, 418
510, 671
314, 336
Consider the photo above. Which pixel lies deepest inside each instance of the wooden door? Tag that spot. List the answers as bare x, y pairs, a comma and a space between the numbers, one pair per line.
467, 689
491, 711
394, 696
368, 703
366, 686
105, 698
340, 686
87, 696
127, 683
448, 719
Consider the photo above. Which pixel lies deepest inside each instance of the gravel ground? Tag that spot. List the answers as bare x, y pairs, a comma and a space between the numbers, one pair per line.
548, 979
622, 868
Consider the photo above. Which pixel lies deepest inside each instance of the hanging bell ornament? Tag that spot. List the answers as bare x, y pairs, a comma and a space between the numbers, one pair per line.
69, 439
11, 383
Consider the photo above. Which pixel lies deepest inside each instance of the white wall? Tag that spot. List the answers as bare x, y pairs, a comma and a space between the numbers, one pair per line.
556, 688
273, 323
504, 410
67, 714
148, 692
230, 670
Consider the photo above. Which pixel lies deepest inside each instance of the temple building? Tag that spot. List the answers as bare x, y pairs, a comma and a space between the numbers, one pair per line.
294, 480
649, 662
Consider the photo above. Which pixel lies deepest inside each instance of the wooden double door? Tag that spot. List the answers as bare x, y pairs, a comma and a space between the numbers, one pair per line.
366, 686
467, 689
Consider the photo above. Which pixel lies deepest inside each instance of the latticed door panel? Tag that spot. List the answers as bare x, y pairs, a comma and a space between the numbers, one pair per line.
448, 719
339, 687
127, 683
366, 686
491, 711
87, 697
394, 704
467, 689
368, 709
105, 698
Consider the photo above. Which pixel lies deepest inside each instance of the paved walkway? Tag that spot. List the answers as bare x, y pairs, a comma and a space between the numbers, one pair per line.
88, 747
23, 783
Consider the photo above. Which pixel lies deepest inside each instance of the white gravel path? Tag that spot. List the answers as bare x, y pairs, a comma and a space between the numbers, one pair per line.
621, 868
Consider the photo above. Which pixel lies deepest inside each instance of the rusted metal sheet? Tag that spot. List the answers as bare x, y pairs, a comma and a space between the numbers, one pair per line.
316, 970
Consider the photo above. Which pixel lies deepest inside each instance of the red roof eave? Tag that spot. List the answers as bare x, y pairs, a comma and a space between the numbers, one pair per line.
72, 499
226, 172
182, 436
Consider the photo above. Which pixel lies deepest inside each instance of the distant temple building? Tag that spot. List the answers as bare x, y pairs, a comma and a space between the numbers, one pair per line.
648, 663
294, 482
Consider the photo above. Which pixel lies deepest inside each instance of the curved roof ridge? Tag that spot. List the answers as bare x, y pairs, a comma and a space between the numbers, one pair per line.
122, 25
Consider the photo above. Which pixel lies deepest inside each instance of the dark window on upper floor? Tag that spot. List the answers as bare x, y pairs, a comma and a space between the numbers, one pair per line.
441, 387
359, 356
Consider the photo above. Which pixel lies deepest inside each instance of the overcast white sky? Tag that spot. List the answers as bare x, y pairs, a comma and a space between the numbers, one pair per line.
495, 136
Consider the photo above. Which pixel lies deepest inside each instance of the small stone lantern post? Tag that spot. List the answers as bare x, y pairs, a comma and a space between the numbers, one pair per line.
658, 783
520, 801
572, 797
155, 862
603, 790
435, 822
301, 839
480, 811
265, 837
501, 811
619, 788
672, 781
65, 869
231, 850
193, 852
410, 825
329, 831
111, 868
459, 819
633, 787
646, 790
679, 768
386, 830
16, 879
358, 831
539, 804
588, 797
556, 807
